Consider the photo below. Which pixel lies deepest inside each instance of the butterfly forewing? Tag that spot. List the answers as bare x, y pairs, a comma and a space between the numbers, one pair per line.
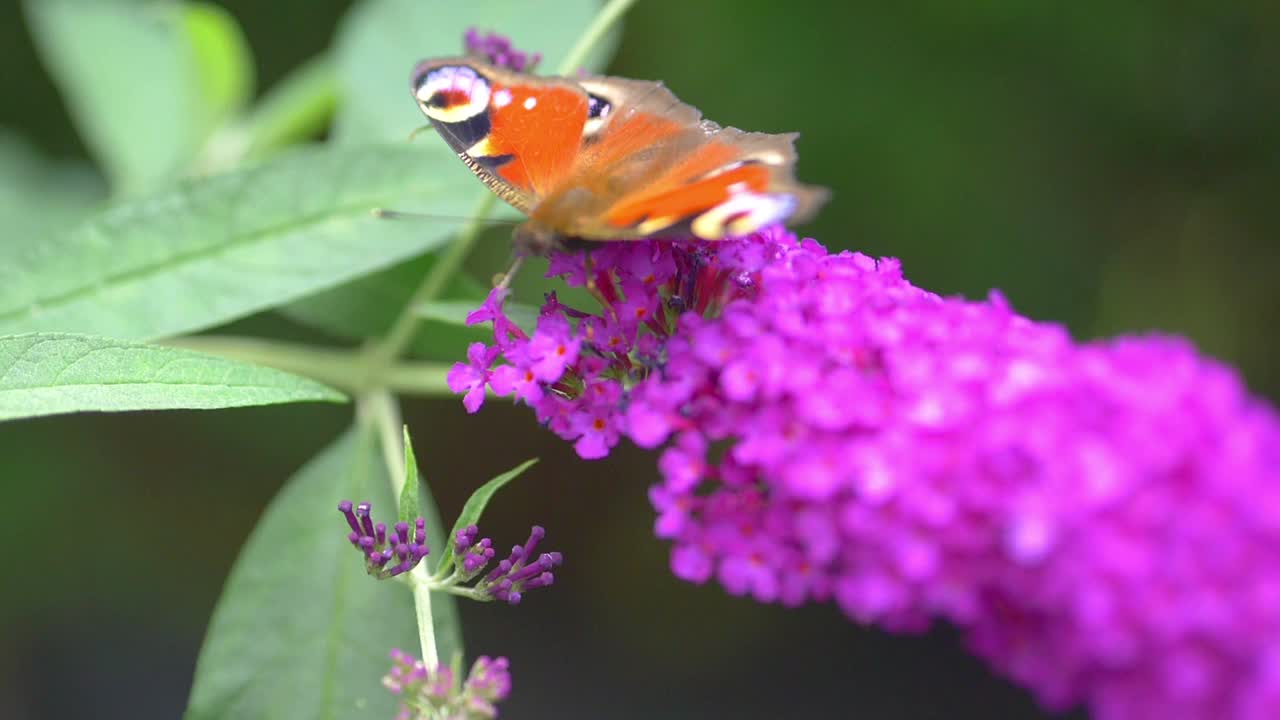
518, 133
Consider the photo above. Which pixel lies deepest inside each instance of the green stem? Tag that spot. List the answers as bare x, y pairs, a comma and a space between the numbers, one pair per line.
337, 368
379, 366
423, 379
298, 107
603, 22
384, 410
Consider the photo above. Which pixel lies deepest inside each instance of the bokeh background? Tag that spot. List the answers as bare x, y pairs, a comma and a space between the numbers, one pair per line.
1111, 166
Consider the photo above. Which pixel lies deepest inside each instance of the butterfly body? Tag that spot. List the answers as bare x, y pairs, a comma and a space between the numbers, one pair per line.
604, 158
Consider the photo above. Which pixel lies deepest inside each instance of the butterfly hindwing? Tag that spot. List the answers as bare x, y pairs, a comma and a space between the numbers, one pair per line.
651, 165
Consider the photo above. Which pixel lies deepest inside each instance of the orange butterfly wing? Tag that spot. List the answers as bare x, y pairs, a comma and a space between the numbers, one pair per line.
609, 158
518, 133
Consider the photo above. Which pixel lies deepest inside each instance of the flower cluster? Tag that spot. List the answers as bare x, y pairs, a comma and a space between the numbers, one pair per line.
519, 573
438, 695
378, 548
463, 572
498, 50
1101, 520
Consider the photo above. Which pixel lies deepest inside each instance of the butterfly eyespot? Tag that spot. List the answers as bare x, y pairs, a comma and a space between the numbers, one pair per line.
597, 107
598, 110
741, 214
450, 93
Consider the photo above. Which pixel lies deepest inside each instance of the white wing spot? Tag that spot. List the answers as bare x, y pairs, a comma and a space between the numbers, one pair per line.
453, 80
502, 98
530, 102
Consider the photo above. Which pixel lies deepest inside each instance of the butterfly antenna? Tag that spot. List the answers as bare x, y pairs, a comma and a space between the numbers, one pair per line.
385, 214
417, 131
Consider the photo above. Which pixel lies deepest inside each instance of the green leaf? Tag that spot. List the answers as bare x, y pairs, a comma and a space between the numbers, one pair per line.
479, 499
379, 42
409, 494
145, 82
40, 197
300, 630
50, 374
367, 307
216, 249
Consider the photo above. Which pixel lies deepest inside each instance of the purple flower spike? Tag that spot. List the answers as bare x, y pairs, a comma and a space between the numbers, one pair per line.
378, 548
497, 49
520, 572
509, 578
434, 693
1101, 520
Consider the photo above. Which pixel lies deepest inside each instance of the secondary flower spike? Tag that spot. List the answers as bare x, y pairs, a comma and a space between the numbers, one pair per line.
498, 50
509, 579
405, 545
1101, 520
440, 695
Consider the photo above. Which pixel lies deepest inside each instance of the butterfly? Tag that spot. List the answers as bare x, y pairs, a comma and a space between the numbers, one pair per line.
608, 158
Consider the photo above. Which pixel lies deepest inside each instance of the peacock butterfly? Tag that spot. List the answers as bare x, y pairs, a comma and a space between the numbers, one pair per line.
608, 158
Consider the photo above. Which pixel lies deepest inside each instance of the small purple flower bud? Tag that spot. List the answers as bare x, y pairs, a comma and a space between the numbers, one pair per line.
490, 678
502, 569
377, 547
344, 507
435, 693
542, 580
517, 556
472, 564
525, 573
465, 538
535, 535
363, 511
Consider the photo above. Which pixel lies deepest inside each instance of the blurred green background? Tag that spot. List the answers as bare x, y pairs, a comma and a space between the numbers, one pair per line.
1111, 166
